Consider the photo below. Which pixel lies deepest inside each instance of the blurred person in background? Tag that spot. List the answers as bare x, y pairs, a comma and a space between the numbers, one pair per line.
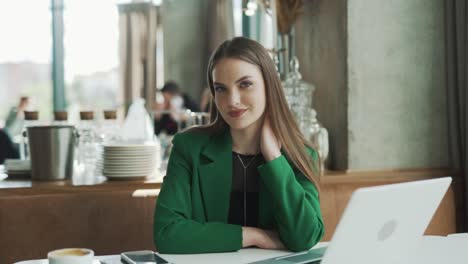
169, 114
13, 127
15, 118
7, 147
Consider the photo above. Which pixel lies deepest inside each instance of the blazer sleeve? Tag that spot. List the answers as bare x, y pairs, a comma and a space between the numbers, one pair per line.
175, 232
296, 204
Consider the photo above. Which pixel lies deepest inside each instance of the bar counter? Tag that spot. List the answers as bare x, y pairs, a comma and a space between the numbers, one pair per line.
111, 216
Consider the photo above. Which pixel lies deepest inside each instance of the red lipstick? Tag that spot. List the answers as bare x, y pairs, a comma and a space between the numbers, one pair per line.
236, 113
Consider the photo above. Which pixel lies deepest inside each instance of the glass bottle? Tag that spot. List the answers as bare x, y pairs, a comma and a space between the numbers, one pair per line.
31, 118
319, 139
87, 142
109, 130
299, 96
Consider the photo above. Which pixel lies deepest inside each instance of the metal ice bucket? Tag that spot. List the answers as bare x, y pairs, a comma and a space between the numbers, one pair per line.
51, 149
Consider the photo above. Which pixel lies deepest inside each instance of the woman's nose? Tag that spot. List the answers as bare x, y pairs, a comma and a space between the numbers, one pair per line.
234, 97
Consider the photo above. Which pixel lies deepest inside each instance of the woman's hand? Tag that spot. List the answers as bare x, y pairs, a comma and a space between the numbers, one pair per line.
266, 239
269, 239
269, 144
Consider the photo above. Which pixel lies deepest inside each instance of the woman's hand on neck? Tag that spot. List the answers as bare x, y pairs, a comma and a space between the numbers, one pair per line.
247, 141
269, 143
258, 137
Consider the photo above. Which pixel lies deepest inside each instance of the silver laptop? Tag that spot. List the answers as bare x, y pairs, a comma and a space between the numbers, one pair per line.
379, 225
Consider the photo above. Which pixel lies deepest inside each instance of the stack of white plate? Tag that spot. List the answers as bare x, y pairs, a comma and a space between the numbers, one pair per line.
16, 168
125, 161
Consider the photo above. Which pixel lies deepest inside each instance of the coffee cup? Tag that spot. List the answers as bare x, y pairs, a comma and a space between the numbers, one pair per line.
71, 256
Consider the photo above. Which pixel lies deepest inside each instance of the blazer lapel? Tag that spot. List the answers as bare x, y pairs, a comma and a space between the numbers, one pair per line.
216, 176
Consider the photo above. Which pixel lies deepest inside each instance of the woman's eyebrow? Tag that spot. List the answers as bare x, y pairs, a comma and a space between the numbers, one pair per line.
238, 80
243, 78
218, 83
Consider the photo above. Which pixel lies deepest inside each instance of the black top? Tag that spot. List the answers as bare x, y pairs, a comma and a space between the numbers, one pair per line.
249, 184
7, 147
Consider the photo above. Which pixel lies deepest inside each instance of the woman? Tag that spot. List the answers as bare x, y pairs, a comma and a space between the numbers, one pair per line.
246, 179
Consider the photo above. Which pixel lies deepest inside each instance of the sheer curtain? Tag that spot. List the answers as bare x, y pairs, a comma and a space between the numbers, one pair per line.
456, 21
220, 27
220, 24
138, 30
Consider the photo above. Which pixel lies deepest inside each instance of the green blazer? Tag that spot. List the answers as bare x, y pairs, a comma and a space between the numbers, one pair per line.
192, 208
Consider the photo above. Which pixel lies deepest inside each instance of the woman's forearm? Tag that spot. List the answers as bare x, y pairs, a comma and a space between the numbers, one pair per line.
267, 239
249, 236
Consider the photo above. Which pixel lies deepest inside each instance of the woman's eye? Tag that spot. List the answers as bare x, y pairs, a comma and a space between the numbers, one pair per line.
245, 84
219, 89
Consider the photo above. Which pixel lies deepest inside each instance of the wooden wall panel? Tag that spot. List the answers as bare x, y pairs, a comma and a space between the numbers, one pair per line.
110, 220
334, 199
108, 223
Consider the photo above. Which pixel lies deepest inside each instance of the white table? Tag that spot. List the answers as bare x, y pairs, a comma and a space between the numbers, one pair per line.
242, 256
452, 249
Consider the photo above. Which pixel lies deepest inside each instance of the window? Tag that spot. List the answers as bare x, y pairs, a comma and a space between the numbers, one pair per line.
90, 59
25, 55
91, 40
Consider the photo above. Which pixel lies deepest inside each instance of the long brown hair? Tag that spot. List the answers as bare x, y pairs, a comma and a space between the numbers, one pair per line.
281, 119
